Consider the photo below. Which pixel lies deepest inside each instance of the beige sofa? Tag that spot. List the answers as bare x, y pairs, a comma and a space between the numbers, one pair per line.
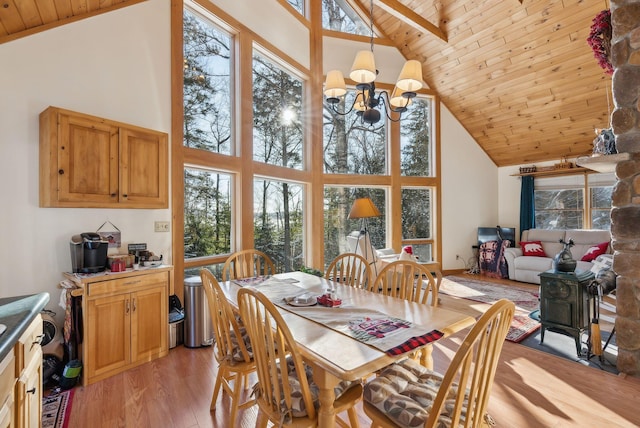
527, 268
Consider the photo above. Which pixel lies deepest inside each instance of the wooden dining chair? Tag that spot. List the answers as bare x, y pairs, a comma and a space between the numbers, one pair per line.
406, 279
350, 269
285, 393
247, 264
408, 394
232, 347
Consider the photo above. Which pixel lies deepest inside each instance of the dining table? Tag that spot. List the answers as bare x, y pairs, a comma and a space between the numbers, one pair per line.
336, 355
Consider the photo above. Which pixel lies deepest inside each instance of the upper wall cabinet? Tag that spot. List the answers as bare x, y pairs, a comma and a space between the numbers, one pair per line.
90, 162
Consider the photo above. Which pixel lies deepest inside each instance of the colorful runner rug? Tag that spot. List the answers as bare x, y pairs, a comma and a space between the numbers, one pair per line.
56, 409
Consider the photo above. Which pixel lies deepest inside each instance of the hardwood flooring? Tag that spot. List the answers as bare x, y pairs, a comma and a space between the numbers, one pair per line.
531, 390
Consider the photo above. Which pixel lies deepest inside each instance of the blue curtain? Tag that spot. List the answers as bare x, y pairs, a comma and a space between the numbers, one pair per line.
527, 204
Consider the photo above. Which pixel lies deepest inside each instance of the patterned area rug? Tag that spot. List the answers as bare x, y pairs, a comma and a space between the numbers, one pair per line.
56, 409
486, 292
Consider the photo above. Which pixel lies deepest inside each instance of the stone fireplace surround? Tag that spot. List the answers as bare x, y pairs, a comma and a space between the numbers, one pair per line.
625, 206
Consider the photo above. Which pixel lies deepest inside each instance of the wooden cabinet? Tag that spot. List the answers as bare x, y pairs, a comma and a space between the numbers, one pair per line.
87, 161
7, 390
126, 320
21, 380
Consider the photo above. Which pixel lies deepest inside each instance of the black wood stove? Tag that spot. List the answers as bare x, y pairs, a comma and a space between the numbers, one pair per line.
564, 303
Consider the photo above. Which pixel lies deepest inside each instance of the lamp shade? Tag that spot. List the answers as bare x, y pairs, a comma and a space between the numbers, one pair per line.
397, 101
410, 78
363, 69
334, 86
363, 208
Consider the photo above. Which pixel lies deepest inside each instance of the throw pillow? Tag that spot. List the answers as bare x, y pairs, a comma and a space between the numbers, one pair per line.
594, 252
532, 248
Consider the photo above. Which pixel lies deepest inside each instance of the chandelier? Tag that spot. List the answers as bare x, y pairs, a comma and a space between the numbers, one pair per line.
367, 100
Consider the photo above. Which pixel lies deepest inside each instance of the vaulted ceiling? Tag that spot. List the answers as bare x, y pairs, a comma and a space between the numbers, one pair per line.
517, 74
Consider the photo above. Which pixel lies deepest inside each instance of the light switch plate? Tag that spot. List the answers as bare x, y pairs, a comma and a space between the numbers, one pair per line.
161, 226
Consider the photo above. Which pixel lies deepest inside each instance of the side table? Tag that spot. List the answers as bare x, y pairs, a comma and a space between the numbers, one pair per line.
565, 302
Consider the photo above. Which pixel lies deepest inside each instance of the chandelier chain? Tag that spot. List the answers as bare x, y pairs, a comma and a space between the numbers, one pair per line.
371, 23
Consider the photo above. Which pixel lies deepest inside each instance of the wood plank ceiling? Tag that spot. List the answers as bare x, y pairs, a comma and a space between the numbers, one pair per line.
518, 74
20, 18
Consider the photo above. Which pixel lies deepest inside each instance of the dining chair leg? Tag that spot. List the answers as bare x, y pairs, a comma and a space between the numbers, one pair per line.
235, 400
353, 417
262, 420
216, 388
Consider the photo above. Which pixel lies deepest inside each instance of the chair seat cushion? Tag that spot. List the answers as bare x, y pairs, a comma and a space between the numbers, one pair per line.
405, 392
236, 352
298, 408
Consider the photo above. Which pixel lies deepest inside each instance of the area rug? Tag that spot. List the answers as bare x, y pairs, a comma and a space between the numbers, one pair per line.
56, 409
487, 292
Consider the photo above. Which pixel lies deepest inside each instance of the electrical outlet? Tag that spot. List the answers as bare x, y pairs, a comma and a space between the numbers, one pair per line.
161, 226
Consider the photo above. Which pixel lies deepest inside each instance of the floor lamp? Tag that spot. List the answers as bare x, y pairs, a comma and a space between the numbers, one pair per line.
364, 208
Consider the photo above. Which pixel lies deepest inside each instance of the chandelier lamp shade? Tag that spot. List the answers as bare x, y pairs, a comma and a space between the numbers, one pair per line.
367, 101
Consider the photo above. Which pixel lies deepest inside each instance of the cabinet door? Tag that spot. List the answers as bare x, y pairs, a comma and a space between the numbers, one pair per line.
143, 168
87, 161
29, 393
149, 324
108, 335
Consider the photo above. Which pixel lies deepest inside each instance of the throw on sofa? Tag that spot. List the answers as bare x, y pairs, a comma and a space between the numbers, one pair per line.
542, 245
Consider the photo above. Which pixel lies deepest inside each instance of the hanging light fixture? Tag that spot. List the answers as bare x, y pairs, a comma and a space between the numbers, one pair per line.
367, 101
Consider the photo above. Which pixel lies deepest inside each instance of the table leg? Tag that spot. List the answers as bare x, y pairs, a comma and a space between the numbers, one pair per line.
426, 357
326, 383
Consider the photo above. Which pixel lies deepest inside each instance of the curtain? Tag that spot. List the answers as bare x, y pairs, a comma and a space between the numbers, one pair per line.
527, 204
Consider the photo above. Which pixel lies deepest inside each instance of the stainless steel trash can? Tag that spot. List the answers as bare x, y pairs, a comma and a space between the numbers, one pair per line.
198, 331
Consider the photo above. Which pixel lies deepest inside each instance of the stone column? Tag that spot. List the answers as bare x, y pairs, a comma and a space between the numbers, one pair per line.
625, 208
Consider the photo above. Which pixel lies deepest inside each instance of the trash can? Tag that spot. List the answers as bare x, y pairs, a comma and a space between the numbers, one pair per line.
198, 331
176, 322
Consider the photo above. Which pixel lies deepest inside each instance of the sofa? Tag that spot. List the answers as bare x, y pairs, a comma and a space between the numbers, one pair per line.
538, 247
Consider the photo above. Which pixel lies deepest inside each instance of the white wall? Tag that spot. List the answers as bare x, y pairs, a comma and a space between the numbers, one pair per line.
115, 65
469, 191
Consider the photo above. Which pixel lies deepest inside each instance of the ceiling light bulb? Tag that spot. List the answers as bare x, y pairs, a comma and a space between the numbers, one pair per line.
363, 69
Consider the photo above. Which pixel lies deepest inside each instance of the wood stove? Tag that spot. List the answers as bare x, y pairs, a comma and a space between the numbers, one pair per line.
564, 303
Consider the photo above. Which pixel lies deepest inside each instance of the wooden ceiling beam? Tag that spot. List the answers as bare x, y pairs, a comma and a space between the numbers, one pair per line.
409, 17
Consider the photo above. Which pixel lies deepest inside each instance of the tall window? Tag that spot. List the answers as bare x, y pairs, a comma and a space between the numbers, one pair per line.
417, 220
350, 146
416, 150
248, 186
207, 213
278, 222
277, 115
337, 15
207, 85
337, 225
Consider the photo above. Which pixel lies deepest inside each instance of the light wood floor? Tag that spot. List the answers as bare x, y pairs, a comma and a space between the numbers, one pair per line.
531, 390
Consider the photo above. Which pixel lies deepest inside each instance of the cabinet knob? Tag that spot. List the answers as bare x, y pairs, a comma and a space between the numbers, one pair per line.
38, 340
125, 195
128, 307
113, 195
61, 171
31, 391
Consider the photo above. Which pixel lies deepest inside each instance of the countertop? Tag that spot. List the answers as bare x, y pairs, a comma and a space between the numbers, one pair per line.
17, 313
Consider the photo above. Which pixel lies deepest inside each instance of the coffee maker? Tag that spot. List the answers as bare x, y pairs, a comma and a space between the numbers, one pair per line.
88, 253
